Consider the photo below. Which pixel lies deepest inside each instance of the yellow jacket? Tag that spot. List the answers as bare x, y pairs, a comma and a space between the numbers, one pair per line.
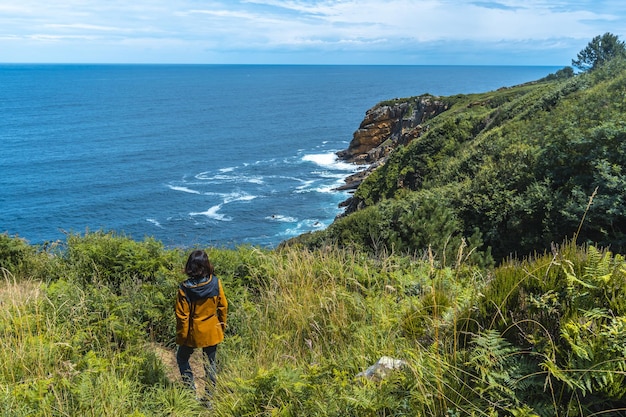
201, 309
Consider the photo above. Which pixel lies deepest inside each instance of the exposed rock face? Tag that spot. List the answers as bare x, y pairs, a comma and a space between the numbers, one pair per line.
385, 127
380, 124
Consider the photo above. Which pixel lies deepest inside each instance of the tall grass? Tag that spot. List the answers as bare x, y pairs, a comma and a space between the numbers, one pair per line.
541, 336
318, 318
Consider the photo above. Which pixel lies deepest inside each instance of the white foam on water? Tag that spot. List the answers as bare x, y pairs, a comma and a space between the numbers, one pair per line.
303, 227
330, 175
203, 176
329, 161
223, 177
326, 189
305, 186
315, 223
212, 213
281, 218
238, 196
155, 222
228, 169
183, 189
265, 161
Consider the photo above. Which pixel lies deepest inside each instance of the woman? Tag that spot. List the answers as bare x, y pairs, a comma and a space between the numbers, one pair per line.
201, 310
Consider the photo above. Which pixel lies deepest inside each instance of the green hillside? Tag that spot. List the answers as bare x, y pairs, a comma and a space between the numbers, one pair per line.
509, 171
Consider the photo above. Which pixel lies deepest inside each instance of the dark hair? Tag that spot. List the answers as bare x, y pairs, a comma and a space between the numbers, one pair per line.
198, 265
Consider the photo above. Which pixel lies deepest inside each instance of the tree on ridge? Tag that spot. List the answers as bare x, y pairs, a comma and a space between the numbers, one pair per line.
600, 50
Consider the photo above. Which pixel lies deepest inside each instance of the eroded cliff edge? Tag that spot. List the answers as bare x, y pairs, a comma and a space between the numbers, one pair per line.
385, 127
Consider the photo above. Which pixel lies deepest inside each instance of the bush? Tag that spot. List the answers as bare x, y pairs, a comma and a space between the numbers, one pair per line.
15, 253
114, 260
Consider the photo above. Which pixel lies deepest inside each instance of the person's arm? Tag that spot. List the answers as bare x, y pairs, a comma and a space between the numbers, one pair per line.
222, 307
182, 317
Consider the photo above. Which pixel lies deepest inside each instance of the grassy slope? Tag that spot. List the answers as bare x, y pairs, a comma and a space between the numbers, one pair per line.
540, 337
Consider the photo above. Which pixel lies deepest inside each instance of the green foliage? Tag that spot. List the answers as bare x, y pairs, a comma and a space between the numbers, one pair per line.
495, 368
240, 265
14, 253
114, 260
420, 224
539, 337
563, 73
599, 51
322, 391
565, 311
171, 401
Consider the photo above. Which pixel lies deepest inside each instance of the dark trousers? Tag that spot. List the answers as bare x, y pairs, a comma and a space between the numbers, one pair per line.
210, 369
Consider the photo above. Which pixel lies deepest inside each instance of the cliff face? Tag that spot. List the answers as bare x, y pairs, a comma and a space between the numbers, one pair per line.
385, 127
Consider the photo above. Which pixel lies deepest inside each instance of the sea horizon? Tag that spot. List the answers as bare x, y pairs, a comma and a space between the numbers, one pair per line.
190, 64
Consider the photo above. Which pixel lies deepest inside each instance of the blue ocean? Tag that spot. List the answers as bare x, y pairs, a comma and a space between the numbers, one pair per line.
216, 155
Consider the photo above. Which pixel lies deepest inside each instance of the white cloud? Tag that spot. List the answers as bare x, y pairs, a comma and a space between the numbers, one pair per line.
230, 28
439, 19
44, 37
80, 26
335, 24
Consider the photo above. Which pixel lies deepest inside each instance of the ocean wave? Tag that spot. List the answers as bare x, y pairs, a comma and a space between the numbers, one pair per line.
305, 185
212, 213
330, 175
208, 177
155, 222
324, 189
304, 226
183, 189
203, 176
281, 218
329, 161
238, 196
253, 179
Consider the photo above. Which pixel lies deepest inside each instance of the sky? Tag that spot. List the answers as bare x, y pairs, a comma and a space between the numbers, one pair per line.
389, 32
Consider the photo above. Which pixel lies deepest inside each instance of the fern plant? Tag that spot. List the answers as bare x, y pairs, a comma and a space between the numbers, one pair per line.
493, 361
592, 360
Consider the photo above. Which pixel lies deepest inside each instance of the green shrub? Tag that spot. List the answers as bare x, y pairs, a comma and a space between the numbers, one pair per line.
114, 260
421, 224
15, 254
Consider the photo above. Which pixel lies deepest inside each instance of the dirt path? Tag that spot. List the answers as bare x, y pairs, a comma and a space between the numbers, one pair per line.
168, 358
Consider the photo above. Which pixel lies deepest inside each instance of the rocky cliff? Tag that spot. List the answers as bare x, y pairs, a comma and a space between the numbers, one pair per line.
386, 126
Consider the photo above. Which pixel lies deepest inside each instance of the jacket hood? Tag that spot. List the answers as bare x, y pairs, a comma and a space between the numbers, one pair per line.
201, 288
